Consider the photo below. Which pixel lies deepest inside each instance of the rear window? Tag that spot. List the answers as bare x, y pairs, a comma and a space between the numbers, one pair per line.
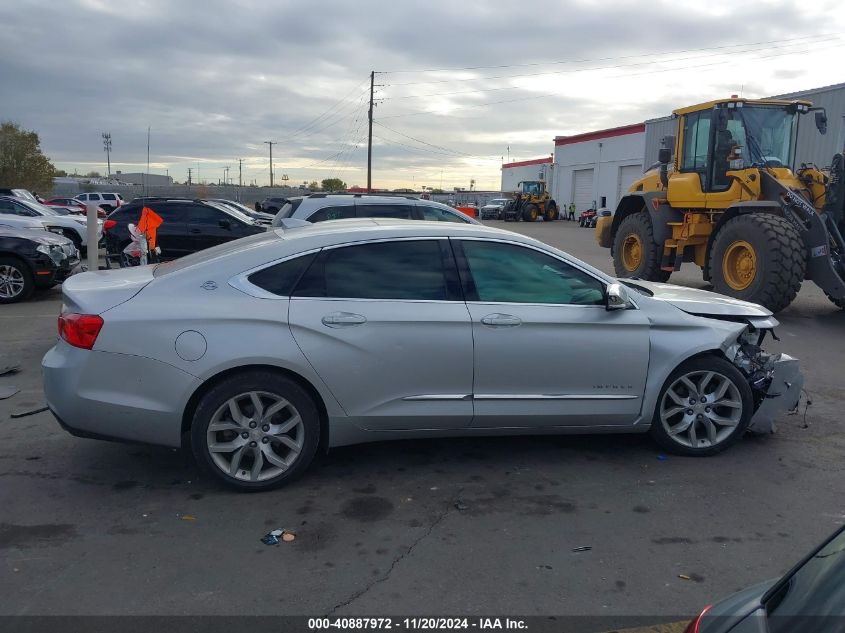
215, 252
332, 213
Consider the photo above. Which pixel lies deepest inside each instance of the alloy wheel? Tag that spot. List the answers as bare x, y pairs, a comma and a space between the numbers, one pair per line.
701, 409
11, 282
255, 436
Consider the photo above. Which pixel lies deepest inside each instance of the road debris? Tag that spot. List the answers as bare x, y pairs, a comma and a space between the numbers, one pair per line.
583, 548
684, 577
461, 506
26, 413
272, 538
8, 392
188, 517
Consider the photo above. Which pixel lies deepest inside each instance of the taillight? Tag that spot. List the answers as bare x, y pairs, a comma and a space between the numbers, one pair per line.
109, 224
80, 330
695, 624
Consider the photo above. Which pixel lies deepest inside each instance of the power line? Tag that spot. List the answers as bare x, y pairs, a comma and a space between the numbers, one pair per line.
575, 61
574, 70
556, 94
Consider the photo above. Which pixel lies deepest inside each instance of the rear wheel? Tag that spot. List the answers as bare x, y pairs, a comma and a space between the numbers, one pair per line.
16, 282
635, 253
551, 212
531, 213
705, 406
255, 431
758, 257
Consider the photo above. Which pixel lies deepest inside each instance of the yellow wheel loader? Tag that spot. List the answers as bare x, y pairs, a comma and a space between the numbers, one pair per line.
530, 202
733, 202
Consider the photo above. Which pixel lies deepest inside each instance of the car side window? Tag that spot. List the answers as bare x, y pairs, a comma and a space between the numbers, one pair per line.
332, 213
206, 216
508, 273
281, 278
108, 196
405, 269
94, 196
436, 214
400, 211
7, 207
82, 196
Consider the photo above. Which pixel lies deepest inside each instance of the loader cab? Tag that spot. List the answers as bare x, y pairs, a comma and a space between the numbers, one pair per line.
717, 138
533, 188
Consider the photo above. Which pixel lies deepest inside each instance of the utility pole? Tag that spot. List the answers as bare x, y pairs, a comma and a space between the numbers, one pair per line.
240, 172
189, 176
107, 149
370, 137
226, 175
271, 143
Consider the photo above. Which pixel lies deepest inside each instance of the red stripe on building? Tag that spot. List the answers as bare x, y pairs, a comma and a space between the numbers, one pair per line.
525, 163
600, 134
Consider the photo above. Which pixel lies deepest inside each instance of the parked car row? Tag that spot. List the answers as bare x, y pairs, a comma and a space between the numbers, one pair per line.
72, 227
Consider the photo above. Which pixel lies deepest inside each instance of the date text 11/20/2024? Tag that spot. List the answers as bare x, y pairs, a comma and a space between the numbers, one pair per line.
425, 624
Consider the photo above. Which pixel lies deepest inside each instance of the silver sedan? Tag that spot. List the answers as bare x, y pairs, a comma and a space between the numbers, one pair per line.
260, 351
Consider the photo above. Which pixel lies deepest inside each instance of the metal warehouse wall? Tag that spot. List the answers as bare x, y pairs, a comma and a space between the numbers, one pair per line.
607, 158
812, 146
655, 130
514, 173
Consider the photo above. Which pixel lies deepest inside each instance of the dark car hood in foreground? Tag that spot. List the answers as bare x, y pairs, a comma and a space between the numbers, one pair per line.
42, 237
702, 302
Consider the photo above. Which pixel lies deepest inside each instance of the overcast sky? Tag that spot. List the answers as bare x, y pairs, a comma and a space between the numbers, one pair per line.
215, 79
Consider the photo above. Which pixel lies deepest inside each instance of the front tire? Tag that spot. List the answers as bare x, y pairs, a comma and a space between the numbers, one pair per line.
255, 431
531, 213
758, 257
16, 283
705, 405
635, 253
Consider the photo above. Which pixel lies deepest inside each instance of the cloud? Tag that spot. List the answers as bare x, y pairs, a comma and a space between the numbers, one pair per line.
213, 80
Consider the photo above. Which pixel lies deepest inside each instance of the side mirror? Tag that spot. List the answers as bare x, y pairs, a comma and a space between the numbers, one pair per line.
821, 121
664, 155
224, 224
616, 297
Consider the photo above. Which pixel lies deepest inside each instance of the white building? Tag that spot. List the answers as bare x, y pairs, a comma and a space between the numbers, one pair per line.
596, 168
536, 169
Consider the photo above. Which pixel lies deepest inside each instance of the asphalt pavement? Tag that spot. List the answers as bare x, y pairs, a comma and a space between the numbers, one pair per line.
460, 526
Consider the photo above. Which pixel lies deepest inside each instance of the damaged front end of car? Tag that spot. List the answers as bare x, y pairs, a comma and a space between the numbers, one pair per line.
776, 380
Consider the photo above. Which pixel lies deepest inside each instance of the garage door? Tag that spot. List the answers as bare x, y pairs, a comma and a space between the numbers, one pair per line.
582, 188
627, 175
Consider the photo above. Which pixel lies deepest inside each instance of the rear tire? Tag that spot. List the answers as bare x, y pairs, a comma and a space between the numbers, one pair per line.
635, 253
279, 419
551, 212
685, 425
758, 257
16, 283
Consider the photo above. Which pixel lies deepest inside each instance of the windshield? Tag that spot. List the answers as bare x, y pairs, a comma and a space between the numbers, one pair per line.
233, 212
816, 588
765, 134
38, 207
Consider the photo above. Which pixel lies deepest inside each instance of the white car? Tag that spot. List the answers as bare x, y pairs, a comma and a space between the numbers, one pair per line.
109, 201
73, 227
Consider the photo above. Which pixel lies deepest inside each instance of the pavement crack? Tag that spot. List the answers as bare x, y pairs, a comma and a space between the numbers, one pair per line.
393, 564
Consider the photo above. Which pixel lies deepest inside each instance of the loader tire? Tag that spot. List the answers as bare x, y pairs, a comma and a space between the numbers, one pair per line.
550, 214
635, 253
531, 213
758, 257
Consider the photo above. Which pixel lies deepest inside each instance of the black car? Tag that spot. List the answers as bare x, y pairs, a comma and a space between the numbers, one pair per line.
189, 226
272, 205
33, 259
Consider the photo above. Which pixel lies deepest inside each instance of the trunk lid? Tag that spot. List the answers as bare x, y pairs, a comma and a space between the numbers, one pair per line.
96, 292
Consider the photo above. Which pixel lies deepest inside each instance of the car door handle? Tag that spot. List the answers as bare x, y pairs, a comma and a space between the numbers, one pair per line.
342, 319
501, 320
